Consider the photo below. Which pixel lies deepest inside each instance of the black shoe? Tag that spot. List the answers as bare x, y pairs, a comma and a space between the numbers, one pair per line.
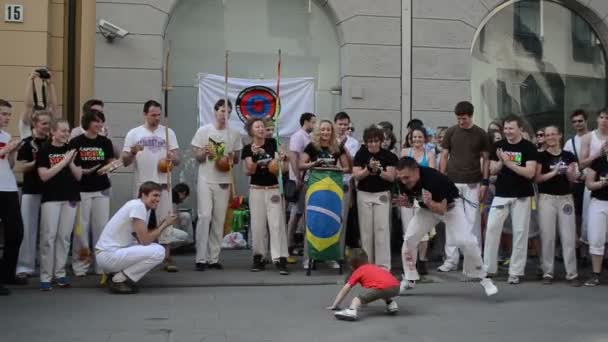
121, 288
216, 266
4, 291
17, 281
421, 265
201, 266
282, 265
258, 265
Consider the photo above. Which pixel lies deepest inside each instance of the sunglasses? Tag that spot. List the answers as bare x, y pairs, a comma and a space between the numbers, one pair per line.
540, 134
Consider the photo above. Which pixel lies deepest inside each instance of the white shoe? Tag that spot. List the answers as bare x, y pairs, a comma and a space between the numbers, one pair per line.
406, 285
513, 280
346, 315
446, 267
392, 308
489, 286
305, 264
332, 264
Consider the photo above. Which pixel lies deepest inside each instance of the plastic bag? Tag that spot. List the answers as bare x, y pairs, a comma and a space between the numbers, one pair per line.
234, 241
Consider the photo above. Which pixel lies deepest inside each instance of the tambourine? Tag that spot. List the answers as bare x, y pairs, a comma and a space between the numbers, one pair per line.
223, 164
165, 165
111, 167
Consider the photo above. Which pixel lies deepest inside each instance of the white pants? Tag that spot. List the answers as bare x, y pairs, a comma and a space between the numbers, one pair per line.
134, 261
268, 218
471, 193
374, 224
557, 211
585, 216
407, 214
184, 219
30, 212
94, 214
596, 226
56, 225
519, 208
457, 231
212, 205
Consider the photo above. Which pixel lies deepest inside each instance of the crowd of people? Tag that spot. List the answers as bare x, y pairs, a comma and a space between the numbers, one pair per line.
494, 190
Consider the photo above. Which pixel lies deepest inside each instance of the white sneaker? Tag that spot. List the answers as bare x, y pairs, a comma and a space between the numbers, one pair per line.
332, 264
392, 308
305, 264
406, 285
489, 286
446, 267
346, 315
513, 280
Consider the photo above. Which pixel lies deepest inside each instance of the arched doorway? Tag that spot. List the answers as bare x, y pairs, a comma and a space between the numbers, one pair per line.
540, 59
199, 32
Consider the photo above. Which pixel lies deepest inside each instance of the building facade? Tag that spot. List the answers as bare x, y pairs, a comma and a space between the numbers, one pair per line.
377, 60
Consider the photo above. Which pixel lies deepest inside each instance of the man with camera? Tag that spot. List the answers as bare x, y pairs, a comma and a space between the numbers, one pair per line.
45, 101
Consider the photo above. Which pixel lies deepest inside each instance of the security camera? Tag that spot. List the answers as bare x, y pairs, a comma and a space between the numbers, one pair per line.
111, 31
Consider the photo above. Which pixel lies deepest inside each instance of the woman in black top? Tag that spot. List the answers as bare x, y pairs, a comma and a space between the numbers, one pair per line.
597, 182
31, 193
59, 170
554, 170
374, 170
324, 150
265, 201
94, 151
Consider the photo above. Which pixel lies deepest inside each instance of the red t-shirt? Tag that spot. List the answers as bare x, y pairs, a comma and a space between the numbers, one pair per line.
373, 277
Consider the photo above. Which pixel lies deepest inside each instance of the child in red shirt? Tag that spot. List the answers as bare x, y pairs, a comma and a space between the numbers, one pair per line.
378, 282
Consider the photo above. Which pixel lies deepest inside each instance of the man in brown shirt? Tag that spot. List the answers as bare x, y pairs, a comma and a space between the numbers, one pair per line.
465, 160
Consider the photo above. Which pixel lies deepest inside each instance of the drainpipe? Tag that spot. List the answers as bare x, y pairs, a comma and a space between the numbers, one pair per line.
70, 95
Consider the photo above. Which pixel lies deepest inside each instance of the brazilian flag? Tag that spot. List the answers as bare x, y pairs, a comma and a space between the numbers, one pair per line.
324, 199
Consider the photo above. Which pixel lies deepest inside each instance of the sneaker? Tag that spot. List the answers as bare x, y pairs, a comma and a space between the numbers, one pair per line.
446, 267
513, 280
63, 282
282, 265
575, 282
406, 285
332, 264
346, 315
593, 281
80, 275
547, 280
201, 266
121, 288
258, 265
46, 286
305, 264
392, 308
489, 287
170, 267
216, 266
421, 267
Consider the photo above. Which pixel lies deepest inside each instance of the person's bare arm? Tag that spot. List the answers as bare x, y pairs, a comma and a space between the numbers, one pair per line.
389, 174
443, 161
432, 160
145, 236
586, 157
28, 110
46, 173
591, 183
52, 98
540, 177
340, 297
360, 172
129, 156
436, 207
24, 166
345, 162
250, 166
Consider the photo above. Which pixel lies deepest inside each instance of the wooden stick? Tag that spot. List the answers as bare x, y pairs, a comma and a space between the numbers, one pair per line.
167, 87
232, 185
278, 114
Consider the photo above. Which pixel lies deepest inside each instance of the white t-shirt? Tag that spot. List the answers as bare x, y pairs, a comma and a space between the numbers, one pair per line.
118, 232
229, 138
297, 143
352, 147
577, 142
24, 130
146, 161
8, 182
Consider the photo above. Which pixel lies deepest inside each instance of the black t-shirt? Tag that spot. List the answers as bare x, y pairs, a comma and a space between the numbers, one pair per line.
32, 185
373, 182
63, 186
558, 185
433, 181
600, 166
329, 159
93, 152
509, 183
262, 176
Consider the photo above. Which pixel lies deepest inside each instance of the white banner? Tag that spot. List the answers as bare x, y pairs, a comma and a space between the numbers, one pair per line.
297, 97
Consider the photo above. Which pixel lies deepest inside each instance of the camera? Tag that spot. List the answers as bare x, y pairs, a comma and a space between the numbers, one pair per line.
111, 31
43, 74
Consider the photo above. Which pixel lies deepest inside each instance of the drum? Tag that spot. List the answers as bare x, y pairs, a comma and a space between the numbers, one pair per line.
324, 197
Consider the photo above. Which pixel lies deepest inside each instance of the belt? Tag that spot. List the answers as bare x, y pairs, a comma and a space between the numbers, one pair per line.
264, 187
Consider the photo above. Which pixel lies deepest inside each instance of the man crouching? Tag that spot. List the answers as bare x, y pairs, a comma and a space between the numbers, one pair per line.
126, 247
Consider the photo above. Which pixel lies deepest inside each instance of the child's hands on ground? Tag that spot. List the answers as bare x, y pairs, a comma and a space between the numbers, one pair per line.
333, 308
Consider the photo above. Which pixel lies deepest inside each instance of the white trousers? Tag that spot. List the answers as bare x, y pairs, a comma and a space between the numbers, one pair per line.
471, 193
30, 212
94, 214
268, 218
134, 261
212, 205
457, 231
557, 211
597, 226
56, 225
374, 224
585, 216
519, 208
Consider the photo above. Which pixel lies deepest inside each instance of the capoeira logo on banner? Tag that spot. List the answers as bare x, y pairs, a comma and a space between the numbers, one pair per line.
257, 102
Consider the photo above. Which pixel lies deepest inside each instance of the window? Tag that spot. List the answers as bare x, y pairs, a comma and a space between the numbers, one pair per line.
585, 46
527, 27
